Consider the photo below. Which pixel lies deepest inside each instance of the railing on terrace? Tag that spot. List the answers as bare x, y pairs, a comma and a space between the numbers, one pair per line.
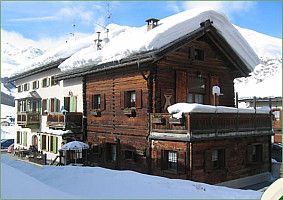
65, 121
204, 125
27, 119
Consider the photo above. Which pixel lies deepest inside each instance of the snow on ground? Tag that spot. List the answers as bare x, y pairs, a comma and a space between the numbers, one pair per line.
7, 132
7, 111
24, 180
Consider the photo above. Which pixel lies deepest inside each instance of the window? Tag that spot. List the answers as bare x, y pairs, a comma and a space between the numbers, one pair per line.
70, 104
44, 105
22, 106
35, 84
45, 82
112, 152
43, 142
54, 105
276, 115
53, 144
215, 159
199, 54
257, 153
26, 87
218, 159
169, 160
25, 138
53, 82
20, 88
254, 153
18, 137
172, 160
96, 101
130, 99
195, 98
129, 155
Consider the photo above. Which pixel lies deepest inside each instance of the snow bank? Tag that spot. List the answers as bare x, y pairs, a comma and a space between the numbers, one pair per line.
23, 180
178, 109
57, 132
137, 40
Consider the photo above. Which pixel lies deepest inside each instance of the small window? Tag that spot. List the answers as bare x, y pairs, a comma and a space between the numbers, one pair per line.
26, 87
172, 160
35, 84
18, 137
199, 54
129, 154
45, 82
20, 88
53, 82
257, 153
195, 98
276, 115
43, 142
130, 99
218, 159
112, 152
96, 149
96, 101
44, 105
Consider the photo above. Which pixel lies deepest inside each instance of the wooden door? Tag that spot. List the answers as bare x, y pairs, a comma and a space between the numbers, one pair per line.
181, 87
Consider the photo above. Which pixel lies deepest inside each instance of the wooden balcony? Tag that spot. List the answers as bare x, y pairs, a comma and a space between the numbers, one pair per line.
201, 126
66, 121
28, 119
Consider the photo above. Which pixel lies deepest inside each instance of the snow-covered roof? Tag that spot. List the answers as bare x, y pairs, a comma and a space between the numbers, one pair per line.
132, 41
178, 109
128, 41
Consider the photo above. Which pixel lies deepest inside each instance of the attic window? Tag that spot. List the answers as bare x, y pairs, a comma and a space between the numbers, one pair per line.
199, 54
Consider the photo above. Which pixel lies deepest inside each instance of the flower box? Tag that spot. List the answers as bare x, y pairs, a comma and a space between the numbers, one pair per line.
129, 112
96, 113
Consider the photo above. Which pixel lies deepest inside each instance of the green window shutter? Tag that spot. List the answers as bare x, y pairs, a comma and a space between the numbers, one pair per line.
25, 138
48, 82
56, 105
48, 105
73, 104
38, 106
28, 87
41, 110
41, 142
55, 144
37, 84
47, 143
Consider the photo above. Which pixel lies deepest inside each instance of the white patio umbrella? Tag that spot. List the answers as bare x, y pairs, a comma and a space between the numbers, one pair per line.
75, 145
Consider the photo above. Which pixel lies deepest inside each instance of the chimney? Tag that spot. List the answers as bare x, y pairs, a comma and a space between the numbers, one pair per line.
151, 23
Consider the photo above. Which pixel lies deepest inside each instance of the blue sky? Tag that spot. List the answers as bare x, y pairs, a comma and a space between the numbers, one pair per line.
50, 22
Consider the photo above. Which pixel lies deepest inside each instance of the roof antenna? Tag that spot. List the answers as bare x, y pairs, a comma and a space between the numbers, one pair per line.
74, 28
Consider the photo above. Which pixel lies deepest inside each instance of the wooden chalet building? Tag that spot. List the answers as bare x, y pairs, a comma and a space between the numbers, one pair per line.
129, 127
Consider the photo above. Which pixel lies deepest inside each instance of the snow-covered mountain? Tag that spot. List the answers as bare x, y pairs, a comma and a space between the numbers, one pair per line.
12, 56
266, 79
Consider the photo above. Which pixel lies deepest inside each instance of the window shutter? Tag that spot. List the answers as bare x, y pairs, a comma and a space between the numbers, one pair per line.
181, 87
22, 88
54, 144
265, 152
208, 161
122, 98
182, 165
41, 142
164, 159
28, 86
249, 154
48, 104
102, 101
48, 82
56, 105
73, 102
138, 98
25, 138
47, 143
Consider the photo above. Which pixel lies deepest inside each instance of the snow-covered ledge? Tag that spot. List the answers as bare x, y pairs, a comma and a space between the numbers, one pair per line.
180, 108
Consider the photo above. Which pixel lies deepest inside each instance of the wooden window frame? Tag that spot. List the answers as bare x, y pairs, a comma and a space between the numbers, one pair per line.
125, 99
255, 153
43, 142
216, 165
45, 82
129, 154
44, 106
96, 101
26, 87
199, 54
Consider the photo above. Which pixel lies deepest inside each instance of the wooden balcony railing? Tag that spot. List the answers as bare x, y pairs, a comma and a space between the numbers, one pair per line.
27, 119
66, 121
194, 126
